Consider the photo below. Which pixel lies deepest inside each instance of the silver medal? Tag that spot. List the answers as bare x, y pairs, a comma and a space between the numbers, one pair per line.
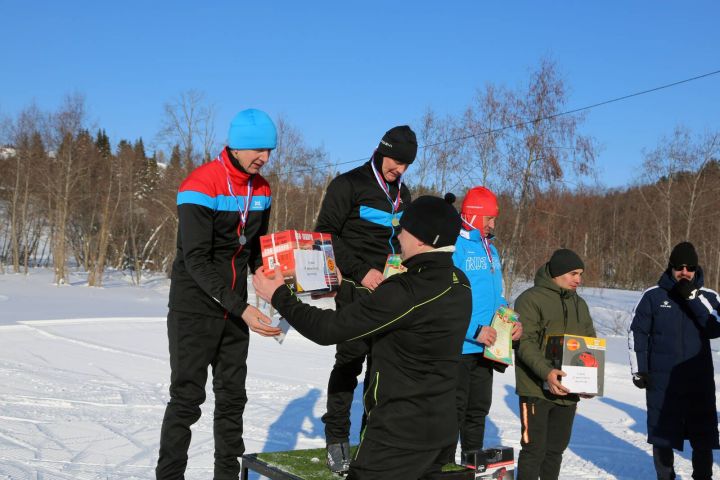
242, 239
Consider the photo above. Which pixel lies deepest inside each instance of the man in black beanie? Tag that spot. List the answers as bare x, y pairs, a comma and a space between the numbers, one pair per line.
547, 409
670, 357
362, 209
417, 321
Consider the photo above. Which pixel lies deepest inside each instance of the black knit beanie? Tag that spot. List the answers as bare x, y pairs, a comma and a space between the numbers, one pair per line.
564, 261
399, 143
683, 254
432, 220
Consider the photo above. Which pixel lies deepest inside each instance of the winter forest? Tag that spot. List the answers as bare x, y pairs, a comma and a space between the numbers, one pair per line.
71, 197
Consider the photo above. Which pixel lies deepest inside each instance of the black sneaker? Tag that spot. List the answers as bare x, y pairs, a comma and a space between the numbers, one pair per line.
338, 457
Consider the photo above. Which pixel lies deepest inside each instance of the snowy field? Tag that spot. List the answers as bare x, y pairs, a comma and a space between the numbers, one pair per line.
84, 378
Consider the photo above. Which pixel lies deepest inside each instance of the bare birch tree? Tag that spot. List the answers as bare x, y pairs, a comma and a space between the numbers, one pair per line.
189, 121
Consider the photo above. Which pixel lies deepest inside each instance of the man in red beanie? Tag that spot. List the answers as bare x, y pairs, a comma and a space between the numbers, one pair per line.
478, 258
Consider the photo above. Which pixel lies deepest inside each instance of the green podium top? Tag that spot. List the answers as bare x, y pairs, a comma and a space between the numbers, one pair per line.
310, 465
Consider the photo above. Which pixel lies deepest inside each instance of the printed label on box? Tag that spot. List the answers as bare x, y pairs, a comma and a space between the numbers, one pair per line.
581, 358
305, 259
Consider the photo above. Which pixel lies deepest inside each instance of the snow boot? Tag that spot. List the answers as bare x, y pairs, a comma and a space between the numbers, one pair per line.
338, 457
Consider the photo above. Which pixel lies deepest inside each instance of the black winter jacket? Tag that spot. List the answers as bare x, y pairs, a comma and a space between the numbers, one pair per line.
358, 215
417, 321
209, 275
670, 341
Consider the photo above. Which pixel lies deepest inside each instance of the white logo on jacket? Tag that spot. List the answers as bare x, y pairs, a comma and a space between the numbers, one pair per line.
476, 263
666, 304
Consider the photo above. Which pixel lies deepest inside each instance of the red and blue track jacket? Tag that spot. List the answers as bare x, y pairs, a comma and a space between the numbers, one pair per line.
209, 275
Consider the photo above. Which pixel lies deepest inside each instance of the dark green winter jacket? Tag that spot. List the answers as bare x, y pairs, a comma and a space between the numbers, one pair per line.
546, 309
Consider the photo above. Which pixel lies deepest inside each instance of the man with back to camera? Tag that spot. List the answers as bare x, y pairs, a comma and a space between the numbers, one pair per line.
223, 209
361, 210
417, 320
670, 356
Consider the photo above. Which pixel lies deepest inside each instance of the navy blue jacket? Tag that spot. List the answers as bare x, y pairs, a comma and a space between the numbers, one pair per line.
670, 341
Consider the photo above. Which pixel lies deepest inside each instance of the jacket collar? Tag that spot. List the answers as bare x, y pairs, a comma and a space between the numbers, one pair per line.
235, 170
474, 235
432, 259
667, 280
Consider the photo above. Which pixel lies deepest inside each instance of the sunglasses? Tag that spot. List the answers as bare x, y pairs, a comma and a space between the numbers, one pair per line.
689, 268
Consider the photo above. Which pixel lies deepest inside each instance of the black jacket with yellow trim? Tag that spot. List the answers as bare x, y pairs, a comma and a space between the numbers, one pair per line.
417, 322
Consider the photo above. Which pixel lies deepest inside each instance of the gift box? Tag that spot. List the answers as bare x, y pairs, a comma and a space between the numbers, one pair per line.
496, 462
306, 260
581, 358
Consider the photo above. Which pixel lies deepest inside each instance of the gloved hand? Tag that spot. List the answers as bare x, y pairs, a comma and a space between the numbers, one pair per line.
640, 380
685, 289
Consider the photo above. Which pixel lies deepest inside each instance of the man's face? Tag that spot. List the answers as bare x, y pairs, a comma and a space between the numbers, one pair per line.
684, 272
570, 280
392, 169
488, 225
252, 160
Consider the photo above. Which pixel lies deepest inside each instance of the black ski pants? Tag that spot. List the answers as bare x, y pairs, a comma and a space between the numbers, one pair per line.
545, 434
196, 342
473, 398
349, 359
664, 460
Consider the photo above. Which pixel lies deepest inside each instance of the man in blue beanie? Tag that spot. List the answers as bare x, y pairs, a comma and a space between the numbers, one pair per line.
223, 209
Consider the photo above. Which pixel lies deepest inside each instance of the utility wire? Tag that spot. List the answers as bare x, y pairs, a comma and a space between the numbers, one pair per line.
540, 119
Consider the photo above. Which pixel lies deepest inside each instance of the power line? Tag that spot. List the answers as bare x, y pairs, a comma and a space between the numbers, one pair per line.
539, 119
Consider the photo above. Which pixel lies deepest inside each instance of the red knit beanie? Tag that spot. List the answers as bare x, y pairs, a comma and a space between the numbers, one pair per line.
479, 202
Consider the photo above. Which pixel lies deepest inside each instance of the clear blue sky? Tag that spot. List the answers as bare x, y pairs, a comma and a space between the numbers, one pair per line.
344, 72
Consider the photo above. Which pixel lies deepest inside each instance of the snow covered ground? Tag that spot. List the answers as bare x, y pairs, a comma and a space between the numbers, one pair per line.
84, 377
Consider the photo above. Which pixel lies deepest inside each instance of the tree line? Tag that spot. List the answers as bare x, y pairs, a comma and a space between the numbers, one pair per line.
69, 199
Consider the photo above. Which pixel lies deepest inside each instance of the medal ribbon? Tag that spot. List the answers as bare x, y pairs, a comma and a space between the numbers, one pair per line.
395, 204
243, 214
486, 244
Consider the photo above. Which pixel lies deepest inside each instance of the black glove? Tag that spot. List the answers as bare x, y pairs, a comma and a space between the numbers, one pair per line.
640, 380
685, 289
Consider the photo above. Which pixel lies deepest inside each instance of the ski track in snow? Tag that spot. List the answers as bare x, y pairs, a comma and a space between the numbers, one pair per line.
84, 400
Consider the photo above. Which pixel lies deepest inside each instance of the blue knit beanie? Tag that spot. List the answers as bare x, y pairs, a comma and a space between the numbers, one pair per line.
252, 129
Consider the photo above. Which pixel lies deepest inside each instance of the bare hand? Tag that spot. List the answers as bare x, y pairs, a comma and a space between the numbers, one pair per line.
554, 384
259, 323
372, 279
487, 336
517, 331
266, 282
